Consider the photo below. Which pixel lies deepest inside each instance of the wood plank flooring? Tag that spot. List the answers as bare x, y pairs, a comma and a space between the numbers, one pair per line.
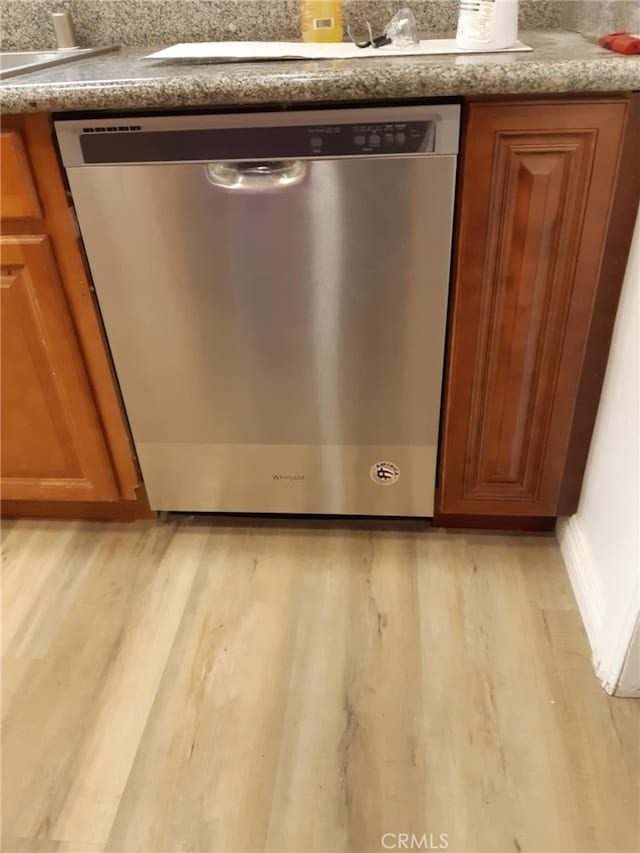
220, 686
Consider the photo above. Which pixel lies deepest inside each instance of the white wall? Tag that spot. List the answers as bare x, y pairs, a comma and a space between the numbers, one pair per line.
600, 544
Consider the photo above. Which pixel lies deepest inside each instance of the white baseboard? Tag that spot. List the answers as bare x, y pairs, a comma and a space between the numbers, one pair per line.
616, 658
609, 625
583, 576
629, 682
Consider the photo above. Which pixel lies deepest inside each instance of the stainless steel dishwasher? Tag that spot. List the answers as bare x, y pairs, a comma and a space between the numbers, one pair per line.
274, 292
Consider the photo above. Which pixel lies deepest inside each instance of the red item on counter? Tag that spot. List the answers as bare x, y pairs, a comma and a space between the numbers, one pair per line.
621, 42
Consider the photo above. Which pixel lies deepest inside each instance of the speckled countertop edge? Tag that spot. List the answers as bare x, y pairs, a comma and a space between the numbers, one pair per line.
560, 62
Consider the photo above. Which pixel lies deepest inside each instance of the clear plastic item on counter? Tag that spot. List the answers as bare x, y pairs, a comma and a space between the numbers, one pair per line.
401, 32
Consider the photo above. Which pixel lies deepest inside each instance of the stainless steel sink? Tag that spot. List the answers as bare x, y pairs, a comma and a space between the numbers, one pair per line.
17, 62
10, 60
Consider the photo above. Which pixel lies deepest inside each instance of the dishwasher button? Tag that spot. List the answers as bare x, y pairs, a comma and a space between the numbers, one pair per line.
359, 140
374, 139
400, 138
316, 141
388, 139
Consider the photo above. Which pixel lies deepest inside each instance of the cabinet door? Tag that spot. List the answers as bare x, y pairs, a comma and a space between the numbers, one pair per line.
52, 444
34, 201
18, 195
537, 185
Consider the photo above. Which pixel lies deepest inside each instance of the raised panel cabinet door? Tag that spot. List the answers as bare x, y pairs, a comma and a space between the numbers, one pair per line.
537, 186
18, 194
52, 446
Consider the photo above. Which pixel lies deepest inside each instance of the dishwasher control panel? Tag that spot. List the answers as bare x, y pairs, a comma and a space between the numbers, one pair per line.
124, 144
398, 137
288, 134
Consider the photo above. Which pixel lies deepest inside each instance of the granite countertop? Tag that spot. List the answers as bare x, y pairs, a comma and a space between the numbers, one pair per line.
559, 62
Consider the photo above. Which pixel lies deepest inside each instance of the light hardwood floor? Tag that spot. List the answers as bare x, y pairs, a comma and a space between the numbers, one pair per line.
216, 686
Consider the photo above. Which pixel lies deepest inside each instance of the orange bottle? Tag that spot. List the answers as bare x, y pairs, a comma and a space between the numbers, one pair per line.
321, 20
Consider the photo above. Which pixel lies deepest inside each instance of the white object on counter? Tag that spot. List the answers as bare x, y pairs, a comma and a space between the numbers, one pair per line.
220, 51
487, 25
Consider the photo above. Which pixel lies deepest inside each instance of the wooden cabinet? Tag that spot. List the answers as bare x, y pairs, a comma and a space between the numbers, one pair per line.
52, 443
63, 436
537, 189
19, 195
546, 204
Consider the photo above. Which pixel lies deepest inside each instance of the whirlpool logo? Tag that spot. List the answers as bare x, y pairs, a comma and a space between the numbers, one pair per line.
288, 476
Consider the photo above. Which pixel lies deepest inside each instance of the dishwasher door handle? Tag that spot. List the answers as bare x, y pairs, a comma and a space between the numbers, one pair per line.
252, 176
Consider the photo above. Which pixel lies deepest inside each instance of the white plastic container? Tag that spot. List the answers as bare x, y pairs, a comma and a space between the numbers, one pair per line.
487, 24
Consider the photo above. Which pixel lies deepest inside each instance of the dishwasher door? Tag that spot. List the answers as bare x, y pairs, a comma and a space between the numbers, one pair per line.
277, 328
